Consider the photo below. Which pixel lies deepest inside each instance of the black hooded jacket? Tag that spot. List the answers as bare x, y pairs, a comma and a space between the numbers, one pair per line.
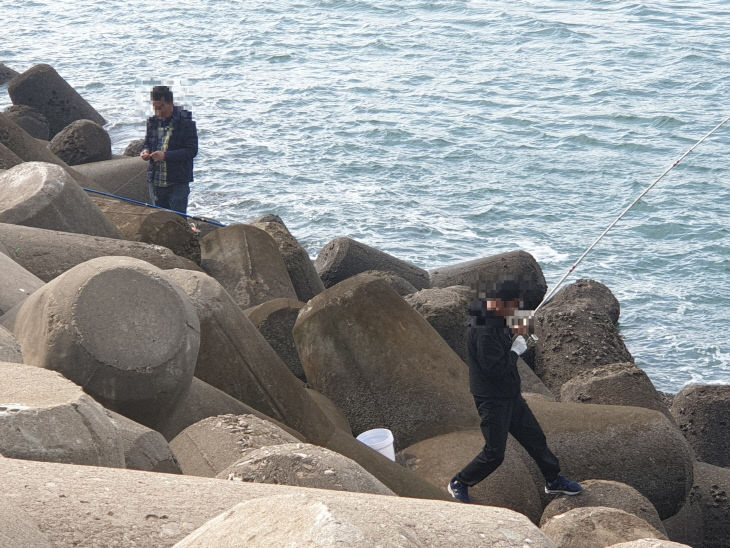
492, 365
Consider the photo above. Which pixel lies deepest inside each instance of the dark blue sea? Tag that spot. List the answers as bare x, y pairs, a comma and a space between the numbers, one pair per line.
443, 131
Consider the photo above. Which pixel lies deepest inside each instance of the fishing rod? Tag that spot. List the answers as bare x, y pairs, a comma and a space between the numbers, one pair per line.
137, 202
625, 211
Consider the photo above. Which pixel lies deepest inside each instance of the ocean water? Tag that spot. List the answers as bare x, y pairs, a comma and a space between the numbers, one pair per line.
442, 131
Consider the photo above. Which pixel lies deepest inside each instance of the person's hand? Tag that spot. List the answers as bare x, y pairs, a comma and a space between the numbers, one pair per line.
145, 155
158, 156
519, 346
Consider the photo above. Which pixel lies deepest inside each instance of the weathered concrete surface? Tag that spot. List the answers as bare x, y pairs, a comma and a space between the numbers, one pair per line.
134, 148
509, 486
597, 527
632, 445
119, 329
576, 333
82, 142
17, 529
530, 382
304, 465
152, 226
234, 352
246, 261
42, 88
687, 525
202, 401
400, 285
710, 490
23, 144
649, 543
111, 507
447, 310
614, 384
8, 158
30, 119
16, 283
519, 266
302, 273
208, 447
330, 520
49, 253
611, 494
275, 320
381, 363
9, 347
144, 448
125, 177
343, 258
590, 294
43, 195
331, 411
46, 417
6, 73
703, 414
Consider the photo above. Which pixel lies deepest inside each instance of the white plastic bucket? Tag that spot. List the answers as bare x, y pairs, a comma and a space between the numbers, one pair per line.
380, 439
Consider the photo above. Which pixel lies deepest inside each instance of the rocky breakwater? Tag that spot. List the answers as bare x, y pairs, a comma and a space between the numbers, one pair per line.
141, 405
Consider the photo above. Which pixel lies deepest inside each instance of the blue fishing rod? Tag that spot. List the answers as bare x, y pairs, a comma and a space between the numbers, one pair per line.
137, 202
625, 211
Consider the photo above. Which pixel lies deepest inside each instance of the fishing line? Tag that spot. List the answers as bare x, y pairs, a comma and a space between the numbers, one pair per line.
625, 211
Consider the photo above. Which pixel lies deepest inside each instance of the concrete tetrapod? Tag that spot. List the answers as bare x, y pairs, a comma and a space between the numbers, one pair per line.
9, 347
16, 283
614, 384
332, 520
30, 119
49, 253
82, 142
44, 89
247, 262
576, 334
509, 486
649, 543
611, 494
44, 195
125, 177
710, 491
46, 417
144, 448
519, 266
343, 258
236, 358
302, 273
703, 414
632, 445
381, 363
202, 401
8, 158
447, 310
275, 320
304, 465
113, 507
118, 328
152, 226
597, 527
208, 447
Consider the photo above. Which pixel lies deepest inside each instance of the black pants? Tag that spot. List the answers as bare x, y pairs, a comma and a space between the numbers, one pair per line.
501, 416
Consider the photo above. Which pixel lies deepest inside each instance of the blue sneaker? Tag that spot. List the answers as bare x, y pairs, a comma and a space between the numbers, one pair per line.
563, 486
459, 491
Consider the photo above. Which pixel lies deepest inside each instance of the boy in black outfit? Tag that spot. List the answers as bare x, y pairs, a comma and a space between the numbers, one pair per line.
495, 384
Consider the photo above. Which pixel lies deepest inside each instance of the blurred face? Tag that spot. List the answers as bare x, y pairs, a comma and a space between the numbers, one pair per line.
503, 308
162, 109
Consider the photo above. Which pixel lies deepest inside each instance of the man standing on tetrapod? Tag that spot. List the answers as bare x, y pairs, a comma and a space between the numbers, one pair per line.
170, 144
495, 384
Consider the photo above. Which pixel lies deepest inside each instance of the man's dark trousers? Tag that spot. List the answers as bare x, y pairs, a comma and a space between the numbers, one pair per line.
500, 416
